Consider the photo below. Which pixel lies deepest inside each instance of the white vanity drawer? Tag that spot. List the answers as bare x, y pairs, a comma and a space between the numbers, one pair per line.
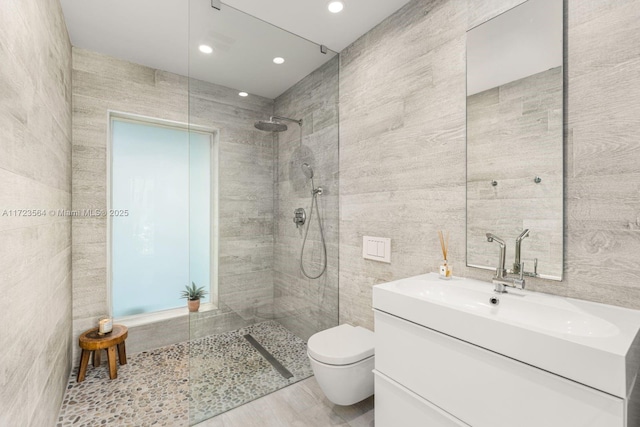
482, 388
397, 406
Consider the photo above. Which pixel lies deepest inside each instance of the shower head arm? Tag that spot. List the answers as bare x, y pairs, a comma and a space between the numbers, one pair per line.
299, 122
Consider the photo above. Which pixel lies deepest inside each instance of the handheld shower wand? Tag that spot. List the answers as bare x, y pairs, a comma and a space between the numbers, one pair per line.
315, 192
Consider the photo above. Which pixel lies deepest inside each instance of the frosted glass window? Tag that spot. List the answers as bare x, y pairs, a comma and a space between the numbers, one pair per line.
162, 176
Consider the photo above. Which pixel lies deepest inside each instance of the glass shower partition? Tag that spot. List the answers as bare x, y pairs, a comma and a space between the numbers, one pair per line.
249, 339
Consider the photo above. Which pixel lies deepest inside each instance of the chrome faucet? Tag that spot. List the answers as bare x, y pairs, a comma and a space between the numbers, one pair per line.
519, 239
500, 271
501, 281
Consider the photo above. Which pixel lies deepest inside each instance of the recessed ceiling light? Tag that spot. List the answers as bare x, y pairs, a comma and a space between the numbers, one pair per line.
278, 60
335, 6
205, 49
243, 94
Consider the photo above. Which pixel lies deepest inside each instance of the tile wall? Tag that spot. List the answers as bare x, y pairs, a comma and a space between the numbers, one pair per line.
402, 149
35, 173
303, 305
103, 84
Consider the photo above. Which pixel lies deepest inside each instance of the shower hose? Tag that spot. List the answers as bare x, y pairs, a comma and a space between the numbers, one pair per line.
314, 201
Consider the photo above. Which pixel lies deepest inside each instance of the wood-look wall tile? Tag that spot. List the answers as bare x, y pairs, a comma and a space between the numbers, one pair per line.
35, 171
99, 64
600, 160
302, 305
480, 13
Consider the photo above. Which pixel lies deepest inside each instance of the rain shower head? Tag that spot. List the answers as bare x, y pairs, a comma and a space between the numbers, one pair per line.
272, 125
307, 170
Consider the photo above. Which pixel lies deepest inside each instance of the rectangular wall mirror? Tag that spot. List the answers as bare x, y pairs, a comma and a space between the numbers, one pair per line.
515, 139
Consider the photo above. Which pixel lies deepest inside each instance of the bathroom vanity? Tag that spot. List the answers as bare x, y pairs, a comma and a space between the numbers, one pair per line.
455, 353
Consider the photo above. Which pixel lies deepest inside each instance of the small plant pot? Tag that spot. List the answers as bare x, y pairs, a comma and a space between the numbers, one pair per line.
194, 305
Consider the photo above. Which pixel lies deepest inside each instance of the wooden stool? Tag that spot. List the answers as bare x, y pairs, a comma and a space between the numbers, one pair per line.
91, 342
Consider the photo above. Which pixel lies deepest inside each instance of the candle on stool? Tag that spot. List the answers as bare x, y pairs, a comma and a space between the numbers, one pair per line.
105, 326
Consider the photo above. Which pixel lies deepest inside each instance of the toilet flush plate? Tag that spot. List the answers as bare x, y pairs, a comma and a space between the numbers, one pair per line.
376, 248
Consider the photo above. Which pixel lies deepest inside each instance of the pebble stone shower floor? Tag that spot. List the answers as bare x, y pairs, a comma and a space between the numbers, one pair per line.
185, 383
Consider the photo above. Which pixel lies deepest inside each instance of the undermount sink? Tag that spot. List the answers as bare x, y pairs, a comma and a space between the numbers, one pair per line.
559, 315
590, 343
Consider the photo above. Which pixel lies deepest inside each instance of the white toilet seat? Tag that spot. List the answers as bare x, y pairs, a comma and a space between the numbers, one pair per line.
329, 365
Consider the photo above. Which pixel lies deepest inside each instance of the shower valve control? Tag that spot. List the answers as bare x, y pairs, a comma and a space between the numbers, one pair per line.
299, 217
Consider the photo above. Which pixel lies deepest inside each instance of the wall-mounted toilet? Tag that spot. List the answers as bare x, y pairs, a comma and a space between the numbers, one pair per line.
342, 359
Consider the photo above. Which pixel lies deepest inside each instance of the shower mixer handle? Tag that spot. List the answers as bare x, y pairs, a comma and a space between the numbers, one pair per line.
299, 217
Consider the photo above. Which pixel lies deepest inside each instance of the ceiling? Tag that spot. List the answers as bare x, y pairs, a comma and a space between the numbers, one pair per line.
165, 34
311, 19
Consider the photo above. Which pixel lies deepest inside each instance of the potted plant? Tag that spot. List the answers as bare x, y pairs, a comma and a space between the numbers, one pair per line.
193, 295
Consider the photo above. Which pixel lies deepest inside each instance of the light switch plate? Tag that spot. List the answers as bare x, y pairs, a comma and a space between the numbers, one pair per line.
376, 248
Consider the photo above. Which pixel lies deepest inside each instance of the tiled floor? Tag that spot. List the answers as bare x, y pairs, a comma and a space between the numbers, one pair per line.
299, 405
220, 371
